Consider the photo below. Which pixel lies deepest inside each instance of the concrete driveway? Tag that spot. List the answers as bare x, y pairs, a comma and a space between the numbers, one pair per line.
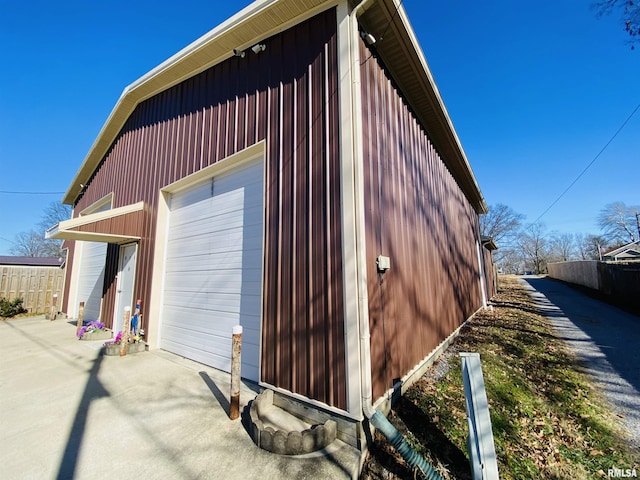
605, 339
66, 411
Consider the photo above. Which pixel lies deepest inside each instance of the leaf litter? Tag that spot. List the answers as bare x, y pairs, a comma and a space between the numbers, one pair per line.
548, 420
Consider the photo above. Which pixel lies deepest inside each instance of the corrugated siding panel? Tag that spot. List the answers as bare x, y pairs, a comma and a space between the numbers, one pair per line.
287, 96
489, 273
416, 214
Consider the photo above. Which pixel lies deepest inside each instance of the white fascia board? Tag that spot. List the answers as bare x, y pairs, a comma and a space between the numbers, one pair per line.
130, 97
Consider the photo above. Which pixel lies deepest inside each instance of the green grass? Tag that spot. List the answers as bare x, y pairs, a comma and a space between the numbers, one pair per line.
547, 419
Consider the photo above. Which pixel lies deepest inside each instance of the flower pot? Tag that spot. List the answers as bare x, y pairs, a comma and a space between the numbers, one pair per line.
113, 349
98, 335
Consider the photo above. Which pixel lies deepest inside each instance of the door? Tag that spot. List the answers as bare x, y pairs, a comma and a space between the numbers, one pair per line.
91, 278
93, 259
213, 270
125, 283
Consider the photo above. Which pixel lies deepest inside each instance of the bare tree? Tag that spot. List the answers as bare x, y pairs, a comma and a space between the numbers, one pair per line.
534, 246
590, 246
29, 244
501, 223
619, 222
562, 247
582, 245
33, 243
510, 260
630, 11
55, 213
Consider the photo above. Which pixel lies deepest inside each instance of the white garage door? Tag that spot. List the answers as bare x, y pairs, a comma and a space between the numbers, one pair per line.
91, 278
93, 258
213, 270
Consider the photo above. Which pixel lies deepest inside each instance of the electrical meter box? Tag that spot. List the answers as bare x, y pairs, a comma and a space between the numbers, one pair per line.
384, 263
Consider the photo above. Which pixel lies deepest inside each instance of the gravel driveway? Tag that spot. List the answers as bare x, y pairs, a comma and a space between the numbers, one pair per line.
606, 340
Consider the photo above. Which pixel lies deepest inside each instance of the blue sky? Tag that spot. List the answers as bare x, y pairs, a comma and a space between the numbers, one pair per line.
534, 89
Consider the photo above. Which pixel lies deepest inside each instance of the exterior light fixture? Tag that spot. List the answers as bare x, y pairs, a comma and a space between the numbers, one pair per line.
368, 38
259, 47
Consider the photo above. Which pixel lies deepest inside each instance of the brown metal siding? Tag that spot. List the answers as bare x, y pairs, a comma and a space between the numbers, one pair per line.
287, 96
489, 273
129, 224
416, 214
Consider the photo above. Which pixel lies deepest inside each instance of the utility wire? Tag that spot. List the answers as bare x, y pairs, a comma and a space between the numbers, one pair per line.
590, 163
385, 30
30, 193
391, 20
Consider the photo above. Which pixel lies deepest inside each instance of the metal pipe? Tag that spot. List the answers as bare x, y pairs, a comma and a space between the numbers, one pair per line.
126, 326
80, 317
236, 349
363, 301
398, 442
54, 307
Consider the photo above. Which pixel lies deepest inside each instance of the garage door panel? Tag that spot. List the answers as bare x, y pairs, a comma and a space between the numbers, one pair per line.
204, 356
223, 240
214, 211
215, 221
246, 288
213, 269
194, 334
206, 281
204, 225
191, 196
225, 302
190, 262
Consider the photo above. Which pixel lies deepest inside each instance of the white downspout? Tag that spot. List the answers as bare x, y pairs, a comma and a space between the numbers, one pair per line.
363, 298
376, 419
481, 275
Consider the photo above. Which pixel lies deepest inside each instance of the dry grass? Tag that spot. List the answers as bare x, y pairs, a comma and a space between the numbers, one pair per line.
548, 421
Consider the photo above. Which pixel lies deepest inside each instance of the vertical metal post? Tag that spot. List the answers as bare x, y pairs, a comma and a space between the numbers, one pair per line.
54, 307
125, 331
80, 317
482, 450
236, 349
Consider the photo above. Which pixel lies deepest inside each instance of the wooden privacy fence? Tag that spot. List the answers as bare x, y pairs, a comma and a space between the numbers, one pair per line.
36, 285
619, 281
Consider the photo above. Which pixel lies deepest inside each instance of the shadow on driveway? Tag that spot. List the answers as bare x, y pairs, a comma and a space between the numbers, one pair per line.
605, 338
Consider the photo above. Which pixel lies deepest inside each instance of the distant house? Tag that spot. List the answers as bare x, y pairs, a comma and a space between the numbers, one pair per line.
34, 279
284, 174
625, 253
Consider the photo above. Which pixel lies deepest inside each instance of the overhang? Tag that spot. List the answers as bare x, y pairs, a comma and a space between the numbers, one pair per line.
488, 243
119, 225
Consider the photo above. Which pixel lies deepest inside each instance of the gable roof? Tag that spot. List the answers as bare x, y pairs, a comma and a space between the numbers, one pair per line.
630, 250
31, 261
399, 50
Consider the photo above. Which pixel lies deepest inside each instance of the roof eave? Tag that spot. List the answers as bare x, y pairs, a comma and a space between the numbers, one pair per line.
212, 48
433, 114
